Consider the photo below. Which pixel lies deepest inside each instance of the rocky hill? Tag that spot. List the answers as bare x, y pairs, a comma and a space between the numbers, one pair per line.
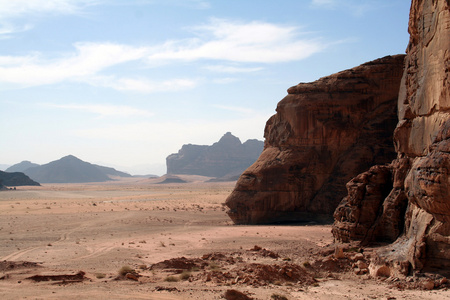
323, 134
22, 166
71, 169
226, 158
407, 202
15, 179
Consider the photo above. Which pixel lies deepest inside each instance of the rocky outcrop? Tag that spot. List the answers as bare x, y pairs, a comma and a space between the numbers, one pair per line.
323, 134
416, 212
15, 179
226, 158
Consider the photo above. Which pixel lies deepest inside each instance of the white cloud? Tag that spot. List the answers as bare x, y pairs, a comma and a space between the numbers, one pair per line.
356, 7
105, 110
143, 85
16, 8
222, 40
12, 10
233, 69
89, 59
239, 42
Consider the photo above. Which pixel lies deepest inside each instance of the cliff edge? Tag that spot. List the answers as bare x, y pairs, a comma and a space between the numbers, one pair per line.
323, 134
407, 203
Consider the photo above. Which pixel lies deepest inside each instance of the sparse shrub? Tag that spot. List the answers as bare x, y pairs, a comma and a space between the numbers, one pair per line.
100, 275
185, 275
277, 282
306, 264
171, 279
125, 269
214, 266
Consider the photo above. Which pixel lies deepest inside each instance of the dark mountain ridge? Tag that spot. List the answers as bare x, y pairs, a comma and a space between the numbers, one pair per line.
15, 179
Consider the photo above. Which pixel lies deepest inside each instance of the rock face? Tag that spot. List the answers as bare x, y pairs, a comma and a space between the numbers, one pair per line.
415, 213
228, 157
323, 134
15, 179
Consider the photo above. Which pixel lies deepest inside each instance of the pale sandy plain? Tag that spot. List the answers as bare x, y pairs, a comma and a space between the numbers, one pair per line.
99, 228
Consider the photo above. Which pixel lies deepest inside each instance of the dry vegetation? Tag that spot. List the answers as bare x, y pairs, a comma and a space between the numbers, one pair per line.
137, 239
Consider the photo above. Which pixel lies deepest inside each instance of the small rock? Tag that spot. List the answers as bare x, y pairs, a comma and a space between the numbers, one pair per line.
339, 252
358, 256
380, 271
131, 276
361, 265
428, 284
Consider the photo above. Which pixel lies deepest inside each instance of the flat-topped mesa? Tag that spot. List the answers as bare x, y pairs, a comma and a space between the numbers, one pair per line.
415, 213
227, 158
323, 134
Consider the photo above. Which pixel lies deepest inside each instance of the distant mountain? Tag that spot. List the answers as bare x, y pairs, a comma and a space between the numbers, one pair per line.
4, 167
15, 179
71, 169
22, 166
226, 158
112, 172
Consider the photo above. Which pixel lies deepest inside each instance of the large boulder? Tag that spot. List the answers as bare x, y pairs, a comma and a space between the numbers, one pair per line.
419, 202
323, 134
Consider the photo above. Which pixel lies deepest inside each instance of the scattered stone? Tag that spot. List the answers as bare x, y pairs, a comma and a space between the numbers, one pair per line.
236, 295
428, 284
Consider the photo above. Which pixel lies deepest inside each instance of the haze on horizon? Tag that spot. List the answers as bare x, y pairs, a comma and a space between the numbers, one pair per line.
126, 83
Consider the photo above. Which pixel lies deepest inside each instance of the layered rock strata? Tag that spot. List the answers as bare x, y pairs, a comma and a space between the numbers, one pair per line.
415, 213
323, 134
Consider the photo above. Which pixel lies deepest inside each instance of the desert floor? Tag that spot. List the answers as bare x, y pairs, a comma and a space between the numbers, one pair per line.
57, 230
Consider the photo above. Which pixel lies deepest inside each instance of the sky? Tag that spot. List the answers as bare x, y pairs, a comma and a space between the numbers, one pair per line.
125, 83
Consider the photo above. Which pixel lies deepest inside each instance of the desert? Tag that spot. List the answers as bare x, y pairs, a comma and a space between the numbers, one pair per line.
171, 241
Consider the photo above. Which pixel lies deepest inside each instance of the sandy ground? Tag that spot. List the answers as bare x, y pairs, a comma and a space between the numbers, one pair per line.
101, 228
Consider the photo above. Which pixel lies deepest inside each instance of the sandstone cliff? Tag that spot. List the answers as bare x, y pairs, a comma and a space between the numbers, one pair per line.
228, 157
408, 201
323, 134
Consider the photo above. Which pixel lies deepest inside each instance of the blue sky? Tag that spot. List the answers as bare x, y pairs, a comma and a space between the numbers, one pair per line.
125, 83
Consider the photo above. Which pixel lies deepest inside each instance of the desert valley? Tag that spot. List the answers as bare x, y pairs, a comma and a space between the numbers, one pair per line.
170, 241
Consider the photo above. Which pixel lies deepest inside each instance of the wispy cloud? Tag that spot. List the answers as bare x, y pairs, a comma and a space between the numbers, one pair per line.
88, 60
105, 110
233, 69
15, 8
12, 10
356, 7
255, 42
143, 85
220, 40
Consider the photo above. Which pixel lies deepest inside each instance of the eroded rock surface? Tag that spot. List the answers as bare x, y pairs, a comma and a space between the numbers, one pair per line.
323, 134
420, 174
